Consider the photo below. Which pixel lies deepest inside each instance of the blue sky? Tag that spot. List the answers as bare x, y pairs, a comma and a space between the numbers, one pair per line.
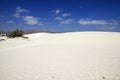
60, 15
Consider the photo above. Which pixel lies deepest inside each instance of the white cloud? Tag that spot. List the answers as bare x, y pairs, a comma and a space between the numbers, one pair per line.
114, 22
10, 22
31, 20
19, 11
40, 24
65, 14
57, 11
58, 18
88, 21
68, 21
107, 28
92, 22
17, 15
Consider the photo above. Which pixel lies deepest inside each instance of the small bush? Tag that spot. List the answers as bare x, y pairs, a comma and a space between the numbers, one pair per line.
2, 35
16, 33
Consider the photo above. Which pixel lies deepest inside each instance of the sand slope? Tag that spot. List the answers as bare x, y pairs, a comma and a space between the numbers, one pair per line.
63, 56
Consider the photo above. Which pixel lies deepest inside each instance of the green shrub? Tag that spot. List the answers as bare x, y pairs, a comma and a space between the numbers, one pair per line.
16, 33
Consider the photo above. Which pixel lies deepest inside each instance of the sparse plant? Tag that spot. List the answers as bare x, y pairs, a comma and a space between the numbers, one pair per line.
2, 35
16, 33
25, 37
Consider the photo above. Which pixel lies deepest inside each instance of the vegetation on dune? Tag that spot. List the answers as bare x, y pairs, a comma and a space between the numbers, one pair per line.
2, 35
16, 33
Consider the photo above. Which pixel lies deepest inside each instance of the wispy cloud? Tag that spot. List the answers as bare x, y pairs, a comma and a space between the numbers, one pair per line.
57, 11
19, 11
97, 22
114, 22
31, 20
58, 18
10, 22
92, 22
106, 28
65, 14
62, 18
68, 21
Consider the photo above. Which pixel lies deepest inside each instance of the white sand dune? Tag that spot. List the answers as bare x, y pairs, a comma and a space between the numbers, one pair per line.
62, 56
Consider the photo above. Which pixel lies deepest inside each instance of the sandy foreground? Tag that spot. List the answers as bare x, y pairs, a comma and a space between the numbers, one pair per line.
61, 56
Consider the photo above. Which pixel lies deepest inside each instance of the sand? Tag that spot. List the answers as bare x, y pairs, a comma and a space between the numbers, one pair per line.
61, 56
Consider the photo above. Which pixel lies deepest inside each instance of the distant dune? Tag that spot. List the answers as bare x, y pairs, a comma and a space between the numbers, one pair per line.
61, 56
